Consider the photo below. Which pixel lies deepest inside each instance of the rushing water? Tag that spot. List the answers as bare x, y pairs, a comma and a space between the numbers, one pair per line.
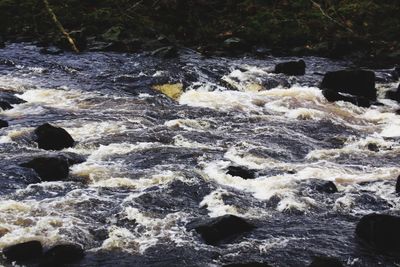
153, 164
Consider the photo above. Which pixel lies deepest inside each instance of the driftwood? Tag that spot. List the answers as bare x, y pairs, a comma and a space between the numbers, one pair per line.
60, 26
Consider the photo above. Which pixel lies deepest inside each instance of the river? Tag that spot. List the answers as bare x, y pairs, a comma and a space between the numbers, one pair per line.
152, 164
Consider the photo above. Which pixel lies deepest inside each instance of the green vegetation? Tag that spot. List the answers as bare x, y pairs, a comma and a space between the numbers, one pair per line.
320, 26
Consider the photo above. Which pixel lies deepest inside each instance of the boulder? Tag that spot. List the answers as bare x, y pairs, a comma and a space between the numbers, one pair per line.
220, 229
394, 95
398, 185
3, 124
293, 68
4, 105
53, 138
333, 96
354, 82
241, 172
325, 262
379, 231
63, 254
49, 168
24, 251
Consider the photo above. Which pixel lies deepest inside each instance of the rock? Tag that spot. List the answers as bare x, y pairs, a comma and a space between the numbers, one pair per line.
51, 50
398, 185
63, 254
373, 147
3, 124
234, 45
49, 168
248, 264
394, 95
241, 172
24, 251
53, 138
5, 105
333, 96
354, 82
173, 91
10, 98
325, 187
293, 68
380, 231
220, 229
325, 262
165, 52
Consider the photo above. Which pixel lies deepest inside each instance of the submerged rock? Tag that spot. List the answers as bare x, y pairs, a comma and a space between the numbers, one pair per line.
333, 96
4, 105
50, 168
354, 82
220, 229
380, 231
248, 264
24, 251
294, 68
51, 50
325, 262
3, 124
53, 138
241, 172
63, 254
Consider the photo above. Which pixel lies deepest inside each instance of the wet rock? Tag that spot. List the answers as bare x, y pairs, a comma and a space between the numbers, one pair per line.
63, 254
2, 44
5, 105
3, 124
325, 262
50, 168
394, 95
24, 251
165, 52
398, 185
328, 187
333, 96
53, 138
379, 231
248, 264
291, 68
373, 147
51, 50
354, 82
241, 172
10, 98
220, 229
234, 45
173, 91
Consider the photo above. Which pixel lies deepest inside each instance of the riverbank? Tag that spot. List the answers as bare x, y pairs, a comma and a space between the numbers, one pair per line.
363, 31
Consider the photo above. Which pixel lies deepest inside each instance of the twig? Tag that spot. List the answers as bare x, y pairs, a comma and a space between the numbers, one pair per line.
329, 17
60, 26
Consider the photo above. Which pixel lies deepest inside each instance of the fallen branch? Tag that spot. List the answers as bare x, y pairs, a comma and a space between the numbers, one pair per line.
60, 26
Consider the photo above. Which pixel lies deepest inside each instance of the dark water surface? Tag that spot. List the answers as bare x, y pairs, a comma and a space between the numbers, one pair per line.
153, 164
